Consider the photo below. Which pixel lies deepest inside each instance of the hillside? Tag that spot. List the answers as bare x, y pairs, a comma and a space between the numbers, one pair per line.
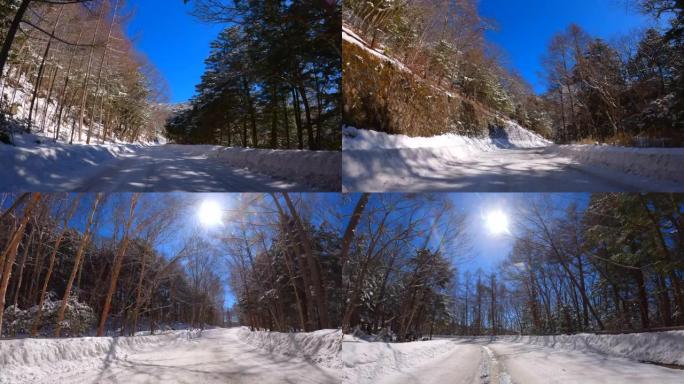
383, 94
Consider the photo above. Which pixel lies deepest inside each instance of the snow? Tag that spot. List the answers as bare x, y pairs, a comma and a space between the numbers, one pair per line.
524, 359
658, 163
39, 165
510, 159
238, 355
366, 361
350, 37
656, 347
35, 360
317, 168
321, 347
210, 356
511, 135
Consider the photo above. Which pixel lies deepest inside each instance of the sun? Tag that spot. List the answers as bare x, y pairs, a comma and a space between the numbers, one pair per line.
210, 213
496, 222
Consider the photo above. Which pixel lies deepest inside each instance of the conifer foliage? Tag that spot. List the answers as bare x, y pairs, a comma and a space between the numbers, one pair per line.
271, 80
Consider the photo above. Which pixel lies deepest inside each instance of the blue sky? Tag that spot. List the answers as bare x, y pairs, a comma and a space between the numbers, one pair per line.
525, 27
175, 41
488, 250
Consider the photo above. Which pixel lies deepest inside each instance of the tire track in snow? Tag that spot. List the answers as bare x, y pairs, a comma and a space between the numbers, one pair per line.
491, 370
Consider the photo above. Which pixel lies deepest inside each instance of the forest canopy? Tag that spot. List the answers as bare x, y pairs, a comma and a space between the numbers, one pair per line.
272, 77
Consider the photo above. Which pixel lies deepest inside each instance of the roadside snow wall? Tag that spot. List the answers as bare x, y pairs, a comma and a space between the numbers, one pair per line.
656, 347
29, 360
321, 347
368, 361
320, 169
654, 163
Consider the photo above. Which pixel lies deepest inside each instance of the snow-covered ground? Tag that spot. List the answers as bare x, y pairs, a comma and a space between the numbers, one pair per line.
39, 165
521, 360
237, 355
511, 160
211, 356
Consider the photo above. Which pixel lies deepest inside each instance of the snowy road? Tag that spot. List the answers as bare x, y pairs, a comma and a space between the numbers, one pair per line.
502, 170
194, 168
217, 356
480, 361
176, 167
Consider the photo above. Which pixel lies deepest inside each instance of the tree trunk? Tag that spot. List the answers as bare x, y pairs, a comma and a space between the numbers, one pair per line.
10, 252
314, 267
99, 72
84, 96
11, 33
51, 263
118, 261
77, 261
39, 80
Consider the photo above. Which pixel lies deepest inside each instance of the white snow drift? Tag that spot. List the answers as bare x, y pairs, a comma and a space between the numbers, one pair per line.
582, 358
211, 356
322, 347
44, 165
33, 360
654, 347
511, 159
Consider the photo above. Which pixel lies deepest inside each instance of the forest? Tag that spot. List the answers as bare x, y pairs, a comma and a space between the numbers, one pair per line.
117, 264
271, 80
615, 265
69, 71
449, 78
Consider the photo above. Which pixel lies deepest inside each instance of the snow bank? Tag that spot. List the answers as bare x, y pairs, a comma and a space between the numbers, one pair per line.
656, 347
317, 168
511, 135
366, 361
28, 360
654, 163
32, 157
321, 347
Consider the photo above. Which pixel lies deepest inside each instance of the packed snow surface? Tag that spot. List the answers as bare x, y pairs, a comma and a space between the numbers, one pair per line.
510, 159
210, 356
523, 360
39, 165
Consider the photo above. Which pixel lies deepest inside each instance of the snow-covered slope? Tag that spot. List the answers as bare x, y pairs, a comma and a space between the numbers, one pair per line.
220, 355
39, 165
316, 168
509, 159
511, 135
321, 347
653, 163
367, 362
30, 360
17, 98
655, 347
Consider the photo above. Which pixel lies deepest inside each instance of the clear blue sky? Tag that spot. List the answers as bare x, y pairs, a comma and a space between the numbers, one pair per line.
175, 41
525, 27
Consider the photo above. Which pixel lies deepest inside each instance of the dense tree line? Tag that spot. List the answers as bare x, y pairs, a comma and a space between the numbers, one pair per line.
271, 80
285, 269
398, 263
616, 265
68, 68
62, 275
615, 92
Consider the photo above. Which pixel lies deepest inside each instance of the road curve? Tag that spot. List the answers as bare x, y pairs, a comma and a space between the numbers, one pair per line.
503, 170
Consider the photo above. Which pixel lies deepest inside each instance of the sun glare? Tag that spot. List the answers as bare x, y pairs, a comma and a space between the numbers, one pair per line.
210, 213
497, 222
